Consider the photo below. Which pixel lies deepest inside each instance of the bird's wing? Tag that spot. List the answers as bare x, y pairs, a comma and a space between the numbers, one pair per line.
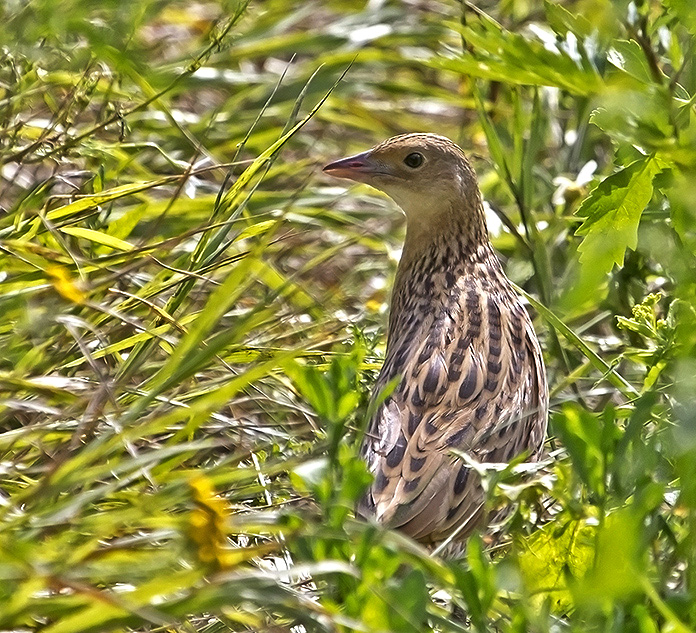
471, 381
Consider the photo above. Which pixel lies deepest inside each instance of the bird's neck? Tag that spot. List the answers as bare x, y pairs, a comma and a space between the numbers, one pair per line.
435, 264
446, 239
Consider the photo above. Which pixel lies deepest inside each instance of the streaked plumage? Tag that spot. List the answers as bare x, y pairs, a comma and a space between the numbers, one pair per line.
472, 373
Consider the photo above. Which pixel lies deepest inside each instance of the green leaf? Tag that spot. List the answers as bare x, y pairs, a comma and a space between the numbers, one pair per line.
598, 20
612, 213
581, 434
314, 387
563, 21
628, 56
109, 195
552, 555
495, 145
501, 55
620, 561
685, 11
97, 237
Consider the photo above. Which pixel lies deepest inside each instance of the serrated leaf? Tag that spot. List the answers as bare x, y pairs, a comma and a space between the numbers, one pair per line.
612, 211
562, 21
627, 55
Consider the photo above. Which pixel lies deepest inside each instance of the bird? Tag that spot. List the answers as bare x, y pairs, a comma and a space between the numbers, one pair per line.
462, 356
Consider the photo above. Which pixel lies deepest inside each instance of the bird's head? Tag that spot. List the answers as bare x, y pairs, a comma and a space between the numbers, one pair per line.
425, 174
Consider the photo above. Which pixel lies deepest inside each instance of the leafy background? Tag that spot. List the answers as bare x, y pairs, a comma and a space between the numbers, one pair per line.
192, 315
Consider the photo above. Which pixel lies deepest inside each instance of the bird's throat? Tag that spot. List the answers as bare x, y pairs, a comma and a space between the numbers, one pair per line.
449, 233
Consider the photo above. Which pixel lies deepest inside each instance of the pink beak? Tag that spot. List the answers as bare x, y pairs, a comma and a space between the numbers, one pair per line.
359, 167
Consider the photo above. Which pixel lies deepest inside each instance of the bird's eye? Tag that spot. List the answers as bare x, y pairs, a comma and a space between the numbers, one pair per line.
413, 160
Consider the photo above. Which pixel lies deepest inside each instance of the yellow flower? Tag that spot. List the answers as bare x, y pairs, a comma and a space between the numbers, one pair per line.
207, 522
64, 284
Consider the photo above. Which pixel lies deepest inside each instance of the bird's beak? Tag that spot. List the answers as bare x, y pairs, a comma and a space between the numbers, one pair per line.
360, 167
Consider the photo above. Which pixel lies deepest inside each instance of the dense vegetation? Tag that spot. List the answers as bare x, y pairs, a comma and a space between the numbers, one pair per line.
192, 315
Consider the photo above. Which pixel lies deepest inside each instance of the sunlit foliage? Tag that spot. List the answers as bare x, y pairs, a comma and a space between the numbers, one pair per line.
192, 315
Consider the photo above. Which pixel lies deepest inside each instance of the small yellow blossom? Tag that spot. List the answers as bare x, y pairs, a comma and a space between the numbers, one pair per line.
207, 522
64, 284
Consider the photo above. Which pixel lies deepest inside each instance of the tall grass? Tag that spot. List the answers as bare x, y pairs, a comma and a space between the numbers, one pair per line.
192, 316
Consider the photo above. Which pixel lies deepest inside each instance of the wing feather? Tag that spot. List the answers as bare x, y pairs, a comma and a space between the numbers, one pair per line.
472, 379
